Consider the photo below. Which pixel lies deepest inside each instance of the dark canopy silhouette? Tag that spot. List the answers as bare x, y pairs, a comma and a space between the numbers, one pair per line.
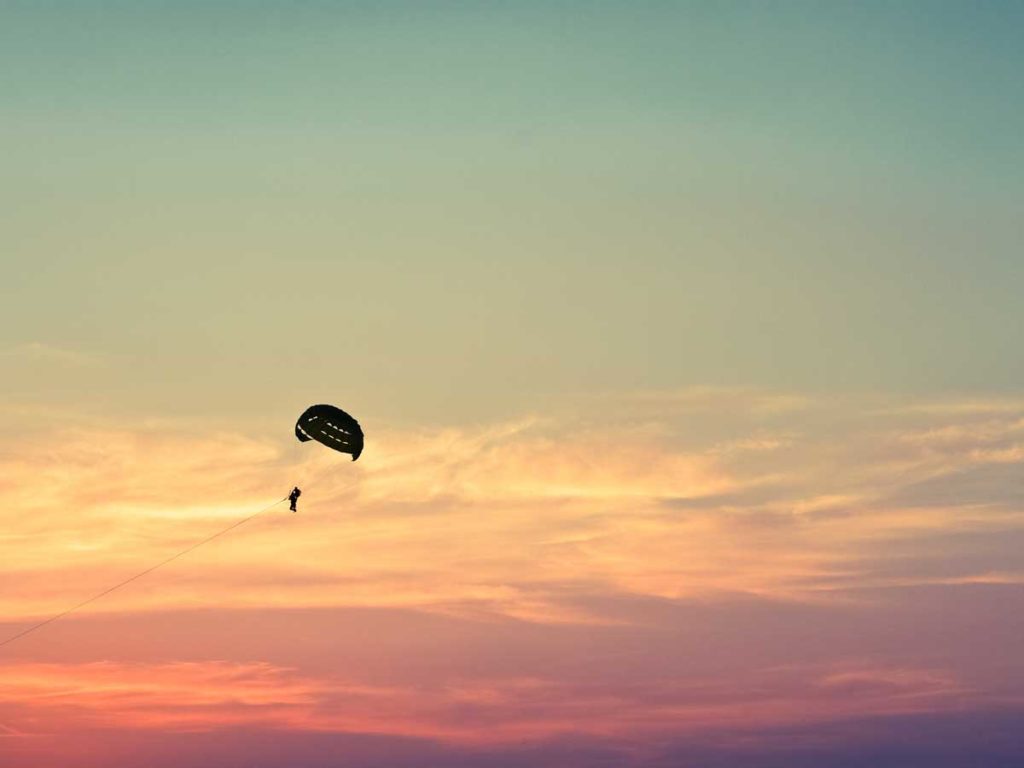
331, 426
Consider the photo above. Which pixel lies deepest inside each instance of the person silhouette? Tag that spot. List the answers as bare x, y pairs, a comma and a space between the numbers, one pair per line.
293, 497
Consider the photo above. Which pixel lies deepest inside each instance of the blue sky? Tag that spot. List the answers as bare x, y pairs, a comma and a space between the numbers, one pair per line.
517, 200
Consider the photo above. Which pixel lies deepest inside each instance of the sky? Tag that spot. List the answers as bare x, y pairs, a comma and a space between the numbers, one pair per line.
685, 336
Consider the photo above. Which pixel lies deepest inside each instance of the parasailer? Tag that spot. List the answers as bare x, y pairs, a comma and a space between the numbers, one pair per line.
330, 426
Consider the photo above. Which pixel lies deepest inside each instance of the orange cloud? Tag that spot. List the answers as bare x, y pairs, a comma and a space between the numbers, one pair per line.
777, 497
540, 578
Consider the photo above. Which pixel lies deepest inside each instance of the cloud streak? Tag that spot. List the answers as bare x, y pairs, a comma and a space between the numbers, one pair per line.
712, 562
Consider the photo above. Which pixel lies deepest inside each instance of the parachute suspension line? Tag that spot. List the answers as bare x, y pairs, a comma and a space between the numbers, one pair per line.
308, 481
139, 575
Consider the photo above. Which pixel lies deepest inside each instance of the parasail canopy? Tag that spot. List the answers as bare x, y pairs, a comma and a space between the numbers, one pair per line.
331, 426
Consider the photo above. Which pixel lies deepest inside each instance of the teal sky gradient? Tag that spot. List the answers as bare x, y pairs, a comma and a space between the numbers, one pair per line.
686, 338
440, 212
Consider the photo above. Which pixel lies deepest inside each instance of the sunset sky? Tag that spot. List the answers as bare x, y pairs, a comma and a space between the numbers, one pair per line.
687, 341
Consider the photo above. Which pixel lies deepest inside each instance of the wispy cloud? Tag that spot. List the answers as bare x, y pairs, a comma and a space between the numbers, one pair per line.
485, 709
49, 354
676, 566
774, 507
